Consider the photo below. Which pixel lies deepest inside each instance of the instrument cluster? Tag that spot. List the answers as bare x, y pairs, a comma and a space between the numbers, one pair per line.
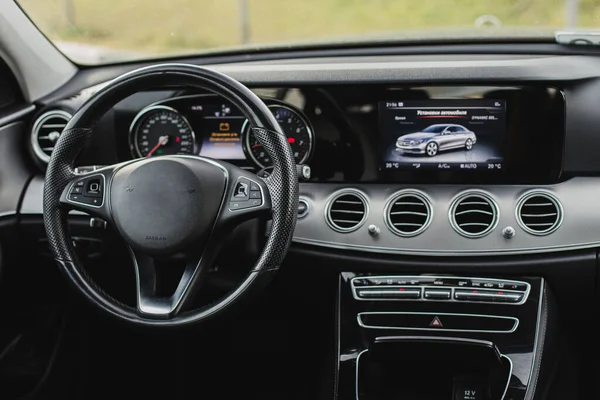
211, 127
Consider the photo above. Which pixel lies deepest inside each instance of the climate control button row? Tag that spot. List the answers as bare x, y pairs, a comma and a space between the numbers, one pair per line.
439, 288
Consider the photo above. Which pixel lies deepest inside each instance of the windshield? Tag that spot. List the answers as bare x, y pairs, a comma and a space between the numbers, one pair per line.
434, 128
103, 31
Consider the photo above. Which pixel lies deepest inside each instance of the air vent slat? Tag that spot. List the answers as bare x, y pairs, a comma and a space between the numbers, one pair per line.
346, 221
539, 213
408, 213
46, 131
473, 224
474, 214
346, 211
541, 224
424, 214
407, 224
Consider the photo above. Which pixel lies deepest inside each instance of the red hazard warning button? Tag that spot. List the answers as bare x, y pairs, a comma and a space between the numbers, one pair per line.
436, 323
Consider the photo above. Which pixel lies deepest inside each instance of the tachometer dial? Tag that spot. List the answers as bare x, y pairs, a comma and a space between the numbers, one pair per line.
160, 131
296, 128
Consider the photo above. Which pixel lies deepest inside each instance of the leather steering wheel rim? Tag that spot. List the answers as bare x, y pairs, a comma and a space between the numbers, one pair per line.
281, 185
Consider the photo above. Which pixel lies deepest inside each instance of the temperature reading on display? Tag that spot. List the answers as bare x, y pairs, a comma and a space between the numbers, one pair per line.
494, 166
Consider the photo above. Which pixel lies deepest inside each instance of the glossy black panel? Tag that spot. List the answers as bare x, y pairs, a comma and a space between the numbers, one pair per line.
518, 346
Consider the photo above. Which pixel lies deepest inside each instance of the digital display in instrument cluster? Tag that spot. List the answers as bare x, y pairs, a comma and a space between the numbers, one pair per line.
214, 129
442, 134
221, 126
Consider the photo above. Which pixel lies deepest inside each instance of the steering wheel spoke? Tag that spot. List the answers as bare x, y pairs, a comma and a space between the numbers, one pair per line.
153, 305
88, 193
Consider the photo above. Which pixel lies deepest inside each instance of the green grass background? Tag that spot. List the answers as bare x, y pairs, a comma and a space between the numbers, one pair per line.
160, 26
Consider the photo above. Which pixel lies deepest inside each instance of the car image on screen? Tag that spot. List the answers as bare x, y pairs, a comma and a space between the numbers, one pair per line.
436, 138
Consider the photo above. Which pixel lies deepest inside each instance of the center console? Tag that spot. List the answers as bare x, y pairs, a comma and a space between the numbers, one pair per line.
438, 337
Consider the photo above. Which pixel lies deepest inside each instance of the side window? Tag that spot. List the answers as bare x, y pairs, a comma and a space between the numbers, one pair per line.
451, 129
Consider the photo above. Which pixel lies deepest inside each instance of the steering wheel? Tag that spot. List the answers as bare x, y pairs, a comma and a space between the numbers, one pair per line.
171, 204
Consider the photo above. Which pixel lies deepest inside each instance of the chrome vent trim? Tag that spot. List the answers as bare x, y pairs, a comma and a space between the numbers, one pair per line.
346, 210
473, 214
46, 131
539, 213
408, 213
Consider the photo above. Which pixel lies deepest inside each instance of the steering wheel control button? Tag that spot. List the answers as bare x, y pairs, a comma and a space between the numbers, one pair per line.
242, 190
88, 191
246, 194
93, 187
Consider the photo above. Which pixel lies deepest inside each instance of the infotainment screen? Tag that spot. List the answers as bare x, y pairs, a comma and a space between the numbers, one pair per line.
442, 134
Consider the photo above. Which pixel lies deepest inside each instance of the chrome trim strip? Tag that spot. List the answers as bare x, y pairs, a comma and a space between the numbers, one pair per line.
448, 253
363, 197
541, 193
535, 341
357, 369
510, 371
397, 196
452, 288
33, 136
475, 193
405, 328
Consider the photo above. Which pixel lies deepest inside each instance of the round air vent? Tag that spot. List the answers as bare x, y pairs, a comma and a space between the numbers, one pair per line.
473, 214
46, 131
346, 211
408, 213
539, 213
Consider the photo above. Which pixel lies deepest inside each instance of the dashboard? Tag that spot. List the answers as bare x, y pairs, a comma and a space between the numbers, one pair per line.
403, 159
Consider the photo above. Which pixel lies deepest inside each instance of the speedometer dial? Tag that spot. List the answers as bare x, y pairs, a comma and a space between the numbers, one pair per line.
296, 128
159, 131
